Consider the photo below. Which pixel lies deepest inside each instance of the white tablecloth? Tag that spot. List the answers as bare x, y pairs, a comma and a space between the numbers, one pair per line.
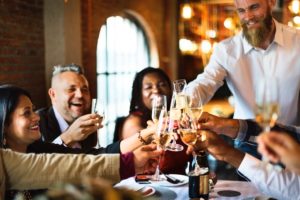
246, 189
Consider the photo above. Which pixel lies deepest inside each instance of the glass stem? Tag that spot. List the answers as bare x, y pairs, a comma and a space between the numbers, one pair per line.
267, 128
157, 171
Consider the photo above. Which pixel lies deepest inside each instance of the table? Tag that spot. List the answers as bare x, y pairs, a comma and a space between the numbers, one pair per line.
246, 189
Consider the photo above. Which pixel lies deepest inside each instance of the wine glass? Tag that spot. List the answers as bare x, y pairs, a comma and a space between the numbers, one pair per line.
159, 103
267, 108
175, 115
162, 139
98, 108
189, 130
179, 85
178, 103
188, 134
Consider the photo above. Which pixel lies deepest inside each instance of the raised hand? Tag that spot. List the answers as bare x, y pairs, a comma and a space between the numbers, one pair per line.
221, 150
146, 158
219, 125
280, 147
81, 128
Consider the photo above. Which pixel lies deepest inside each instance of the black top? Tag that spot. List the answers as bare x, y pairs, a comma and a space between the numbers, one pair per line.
45, 147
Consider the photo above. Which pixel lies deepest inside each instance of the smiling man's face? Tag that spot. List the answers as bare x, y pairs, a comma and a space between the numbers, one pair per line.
256, 19
70, 95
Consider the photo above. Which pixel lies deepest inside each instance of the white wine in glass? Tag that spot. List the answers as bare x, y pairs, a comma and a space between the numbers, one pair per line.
194, 106
194, 112
188, 136
267, 107
178, 104
159, 103
162, 139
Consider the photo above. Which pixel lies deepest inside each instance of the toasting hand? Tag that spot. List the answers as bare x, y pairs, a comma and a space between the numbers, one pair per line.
280, 147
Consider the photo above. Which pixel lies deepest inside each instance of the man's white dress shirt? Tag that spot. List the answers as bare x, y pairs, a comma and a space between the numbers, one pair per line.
278, 184
242, 66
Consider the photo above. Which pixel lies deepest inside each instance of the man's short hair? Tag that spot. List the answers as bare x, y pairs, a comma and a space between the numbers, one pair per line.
58, 69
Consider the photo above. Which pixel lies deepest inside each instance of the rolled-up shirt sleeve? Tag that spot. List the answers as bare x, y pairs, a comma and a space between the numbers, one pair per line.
278, 184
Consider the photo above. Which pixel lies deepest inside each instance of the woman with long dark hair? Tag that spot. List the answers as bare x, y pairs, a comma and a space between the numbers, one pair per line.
19, 130
148, 83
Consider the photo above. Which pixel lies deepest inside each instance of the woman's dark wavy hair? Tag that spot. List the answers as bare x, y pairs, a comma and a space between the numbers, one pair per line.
136, 103
9, 99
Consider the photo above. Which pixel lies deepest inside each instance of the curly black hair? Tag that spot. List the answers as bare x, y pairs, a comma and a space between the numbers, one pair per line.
136, 103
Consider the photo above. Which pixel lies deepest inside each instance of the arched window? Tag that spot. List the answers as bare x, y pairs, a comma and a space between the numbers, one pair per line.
122, 50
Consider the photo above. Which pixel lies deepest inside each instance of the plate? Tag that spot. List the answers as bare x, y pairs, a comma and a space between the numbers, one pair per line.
165, 183
147, 191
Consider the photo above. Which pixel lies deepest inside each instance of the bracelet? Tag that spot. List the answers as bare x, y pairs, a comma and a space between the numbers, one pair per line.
141, 139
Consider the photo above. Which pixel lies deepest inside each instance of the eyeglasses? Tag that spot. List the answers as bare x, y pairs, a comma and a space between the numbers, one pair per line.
58, 69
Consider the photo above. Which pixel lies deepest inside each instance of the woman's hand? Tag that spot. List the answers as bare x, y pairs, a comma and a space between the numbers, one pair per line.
146, 158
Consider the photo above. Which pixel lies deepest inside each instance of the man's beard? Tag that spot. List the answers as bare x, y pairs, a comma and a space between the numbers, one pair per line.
257, 36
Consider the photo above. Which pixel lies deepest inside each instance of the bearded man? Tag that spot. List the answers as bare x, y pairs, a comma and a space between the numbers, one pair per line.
264, 48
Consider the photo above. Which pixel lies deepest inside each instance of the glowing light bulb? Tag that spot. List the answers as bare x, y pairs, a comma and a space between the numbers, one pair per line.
205, 46
228, 23
187, 12
296, 20
294, 6
186, 45
211, 33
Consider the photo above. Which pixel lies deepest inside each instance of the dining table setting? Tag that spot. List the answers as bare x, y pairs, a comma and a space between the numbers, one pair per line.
164, 189
182, 120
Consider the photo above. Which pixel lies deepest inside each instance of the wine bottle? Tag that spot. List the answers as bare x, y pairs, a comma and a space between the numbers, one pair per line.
199, 177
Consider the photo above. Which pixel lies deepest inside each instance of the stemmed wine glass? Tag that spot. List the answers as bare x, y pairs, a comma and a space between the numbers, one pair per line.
159, 103
178, 104
267, 107
189, 131
162, 138
98, 108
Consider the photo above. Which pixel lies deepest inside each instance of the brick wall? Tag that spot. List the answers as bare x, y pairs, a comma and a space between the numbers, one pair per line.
22, 46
